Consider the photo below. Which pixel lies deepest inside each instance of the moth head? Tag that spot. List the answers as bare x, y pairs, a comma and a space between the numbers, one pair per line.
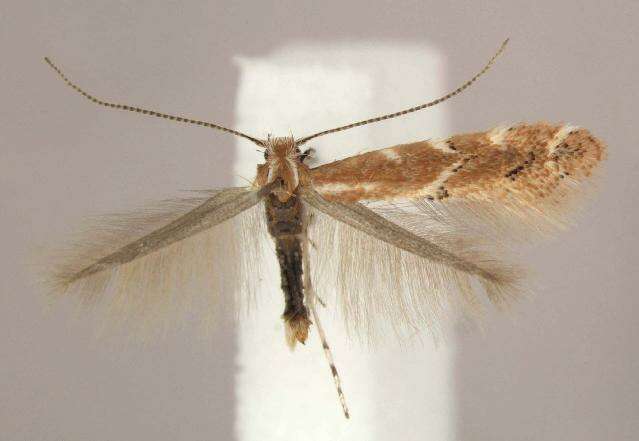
283, 162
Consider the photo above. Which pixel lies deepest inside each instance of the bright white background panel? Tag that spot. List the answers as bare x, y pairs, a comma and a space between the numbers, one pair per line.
391, 390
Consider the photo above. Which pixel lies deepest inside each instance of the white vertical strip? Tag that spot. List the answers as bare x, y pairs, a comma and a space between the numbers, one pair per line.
393, 392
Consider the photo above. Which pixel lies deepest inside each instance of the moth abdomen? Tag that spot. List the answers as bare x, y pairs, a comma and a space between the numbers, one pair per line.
285, 224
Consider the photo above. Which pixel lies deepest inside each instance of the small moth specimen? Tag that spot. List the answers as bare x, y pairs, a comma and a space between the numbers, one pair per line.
390, 232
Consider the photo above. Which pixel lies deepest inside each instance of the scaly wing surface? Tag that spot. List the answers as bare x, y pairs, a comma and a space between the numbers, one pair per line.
522, 173
419, 222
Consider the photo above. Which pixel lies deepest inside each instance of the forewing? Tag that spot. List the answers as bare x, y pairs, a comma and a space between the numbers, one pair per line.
464, 196
177, 258
527, 174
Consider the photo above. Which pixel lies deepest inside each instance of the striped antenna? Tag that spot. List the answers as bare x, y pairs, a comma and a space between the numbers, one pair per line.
412, 109
149, 112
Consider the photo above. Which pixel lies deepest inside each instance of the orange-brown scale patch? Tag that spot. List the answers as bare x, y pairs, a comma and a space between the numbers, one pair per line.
383, 174
529, 162
579, 154
534, 161
495, 170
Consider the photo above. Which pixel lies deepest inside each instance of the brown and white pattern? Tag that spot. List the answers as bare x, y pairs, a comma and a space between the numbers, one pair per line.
384, 268
526, 162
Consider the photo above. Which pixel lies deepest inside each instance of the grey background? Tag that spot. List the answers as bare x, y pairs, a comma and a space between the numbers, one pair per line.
567, 370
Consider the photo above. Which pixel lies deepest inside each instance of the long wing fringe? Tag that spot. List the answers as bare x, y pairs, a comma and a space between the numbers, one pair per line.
381, 289
216, 269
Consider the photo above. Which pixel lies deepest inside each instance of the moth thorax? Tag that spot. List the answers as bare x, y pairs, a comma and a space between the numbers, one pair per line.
282, 160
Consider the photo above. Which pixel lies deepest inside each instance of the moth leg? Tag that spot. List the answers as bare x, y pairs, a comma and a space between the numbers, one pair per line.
312, 298
310, 217
320, 301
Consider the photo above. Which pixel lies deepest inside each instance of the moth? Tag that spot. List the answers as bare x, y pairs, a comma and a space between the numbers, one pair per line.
390, 232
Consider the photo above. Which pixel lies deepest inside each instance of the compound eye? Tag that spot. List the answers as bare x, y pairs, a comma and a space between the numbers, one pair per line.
307, 153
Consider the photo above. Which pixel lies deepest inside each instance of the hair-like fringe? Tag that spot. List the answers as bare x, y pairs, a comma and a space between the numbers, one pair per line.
498, 223
219, 268
380, 288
